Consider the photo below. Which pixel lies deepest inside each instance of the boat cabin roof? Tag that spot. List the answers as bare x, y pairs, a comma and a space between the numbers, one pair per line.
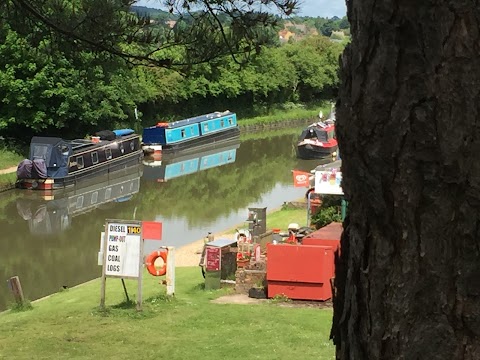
75, 144
200, 118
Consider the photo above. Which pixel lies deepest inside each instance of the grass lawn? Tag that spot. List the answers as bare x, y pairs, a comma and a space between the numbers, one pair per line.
70, 324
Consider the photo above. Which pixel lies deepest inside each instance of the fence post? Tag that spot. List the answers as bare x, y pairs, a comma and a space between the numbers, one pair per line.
16, 288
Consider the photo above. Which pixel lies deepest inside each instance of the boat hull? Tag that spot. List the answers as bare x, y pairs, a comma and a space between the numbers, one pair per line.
309, 152
117, 166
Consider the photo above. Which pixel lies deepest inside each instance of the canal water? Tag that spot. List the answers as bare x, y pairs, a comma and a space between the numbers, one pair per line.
53, 242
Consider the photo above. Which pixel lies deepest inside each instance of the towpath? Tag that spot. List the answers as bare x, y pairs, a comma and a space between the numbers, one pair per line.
8, 170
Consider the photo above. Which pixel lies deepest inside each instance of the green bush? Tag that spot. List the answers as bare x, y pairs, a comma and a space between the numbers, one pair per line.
330, 211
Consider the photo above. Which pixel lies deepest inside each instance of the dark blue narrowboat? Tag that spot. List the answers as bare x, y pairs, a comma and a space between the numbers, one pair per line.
174, 166
55, 163
192, 133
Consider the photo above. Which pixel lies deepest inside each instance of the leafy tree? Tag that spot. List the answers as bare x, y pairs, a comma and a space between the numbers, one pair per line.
407, 122
315, 64
206, 30
43, 91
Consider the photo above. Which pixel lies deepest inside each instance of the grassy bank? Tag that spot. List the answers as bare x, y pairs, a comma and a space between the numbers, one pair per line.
70, 324
7, 181
9, 158
293, 113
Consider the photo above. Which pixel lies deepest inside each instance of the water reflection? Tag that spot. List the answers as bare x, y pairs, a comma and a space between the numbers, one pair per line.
53, 243
170, 167
50, 214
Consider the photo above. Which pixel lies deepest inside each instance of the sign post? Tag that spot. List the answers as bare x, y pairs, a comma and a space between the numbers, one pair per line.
122, 254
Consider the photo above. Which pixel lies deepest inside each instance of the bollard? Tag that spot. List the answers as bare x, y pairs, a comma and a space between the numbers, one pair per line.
16, 288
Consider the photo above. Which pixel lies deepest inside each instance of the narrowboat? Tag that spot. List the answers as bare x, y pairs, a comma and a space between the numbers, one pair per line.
174, 166
192, 133
318, 141
54, 213
55, 163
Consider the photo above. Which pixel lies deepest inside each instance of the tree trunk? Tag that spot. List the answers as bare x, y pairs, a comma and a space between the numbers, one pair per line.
408, 123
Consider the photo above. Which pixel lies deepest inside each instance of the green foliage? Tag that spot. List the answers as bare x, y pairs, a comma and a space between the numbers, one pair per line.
328, 212
293, 74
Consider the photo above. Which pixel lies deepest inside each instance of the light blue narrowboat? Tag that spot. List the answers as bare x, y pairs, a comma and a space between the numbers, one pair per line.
196, 132
170, 167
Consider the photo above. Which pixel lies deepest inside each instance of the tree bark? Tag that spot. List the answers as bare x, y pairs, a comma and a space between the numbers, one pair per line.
408, 123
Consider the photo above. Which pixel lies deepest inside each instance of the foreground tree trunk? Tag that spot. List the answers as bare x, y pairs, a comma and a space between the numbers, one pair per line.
408, 279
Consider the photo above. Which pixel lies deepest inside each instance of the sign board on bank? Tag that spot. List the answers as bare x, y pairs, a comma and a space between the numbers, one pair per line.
213, 255
122, 248
328, 182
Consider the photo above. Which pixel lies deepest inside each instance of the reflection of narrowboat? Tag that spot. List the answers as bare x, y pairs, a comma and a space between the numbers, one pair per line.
196, 132
48, 214
55, 163
171, 167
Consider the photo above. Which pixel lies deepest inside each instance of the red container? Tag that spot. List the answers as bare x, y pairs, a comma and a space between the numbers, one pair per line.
300, 271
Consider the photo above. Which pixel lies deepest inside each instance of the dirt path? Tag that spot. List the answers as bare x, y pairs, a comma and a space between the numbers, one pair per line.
189, 255
8, 170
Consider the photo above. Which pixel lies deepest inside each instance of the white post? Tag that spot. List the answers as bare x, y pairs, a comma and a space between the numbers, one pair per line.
308, 208
170, 276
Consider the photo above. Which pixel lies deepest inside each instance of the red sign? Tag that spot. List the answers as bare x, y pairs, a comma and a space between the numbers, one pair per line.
213, 255
151, 230
301, 178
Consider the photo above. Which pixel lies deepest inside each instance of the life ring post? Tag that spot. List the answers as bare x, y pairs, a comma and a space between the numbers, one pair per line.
170, 276
167, 255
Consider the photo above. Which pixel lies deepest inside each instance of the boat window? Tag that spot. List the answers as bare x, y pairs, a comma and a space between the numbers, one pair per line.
108, 193
94, 198
132, 145
230, 121
80, 162
222, 123
39, 152
79, 203
183, 133
205, 127
108, 153
95, 157
122, 149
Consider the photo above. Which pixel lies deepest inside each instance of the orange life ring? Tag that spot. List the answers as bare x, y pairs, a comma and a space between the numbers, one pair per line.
150, 262
162, 124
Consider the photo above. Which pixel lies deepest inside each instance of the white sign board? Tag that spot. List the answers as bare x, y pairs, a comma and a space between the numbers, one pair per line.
328, 181
122, 250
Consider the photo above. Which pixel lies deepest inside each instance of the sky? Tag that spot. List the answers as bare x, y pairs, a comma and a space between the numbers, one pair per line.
314, 8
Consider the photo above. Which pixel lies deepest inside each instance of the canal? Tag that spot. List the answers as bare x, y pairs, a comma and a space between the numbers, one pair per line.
53, 243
